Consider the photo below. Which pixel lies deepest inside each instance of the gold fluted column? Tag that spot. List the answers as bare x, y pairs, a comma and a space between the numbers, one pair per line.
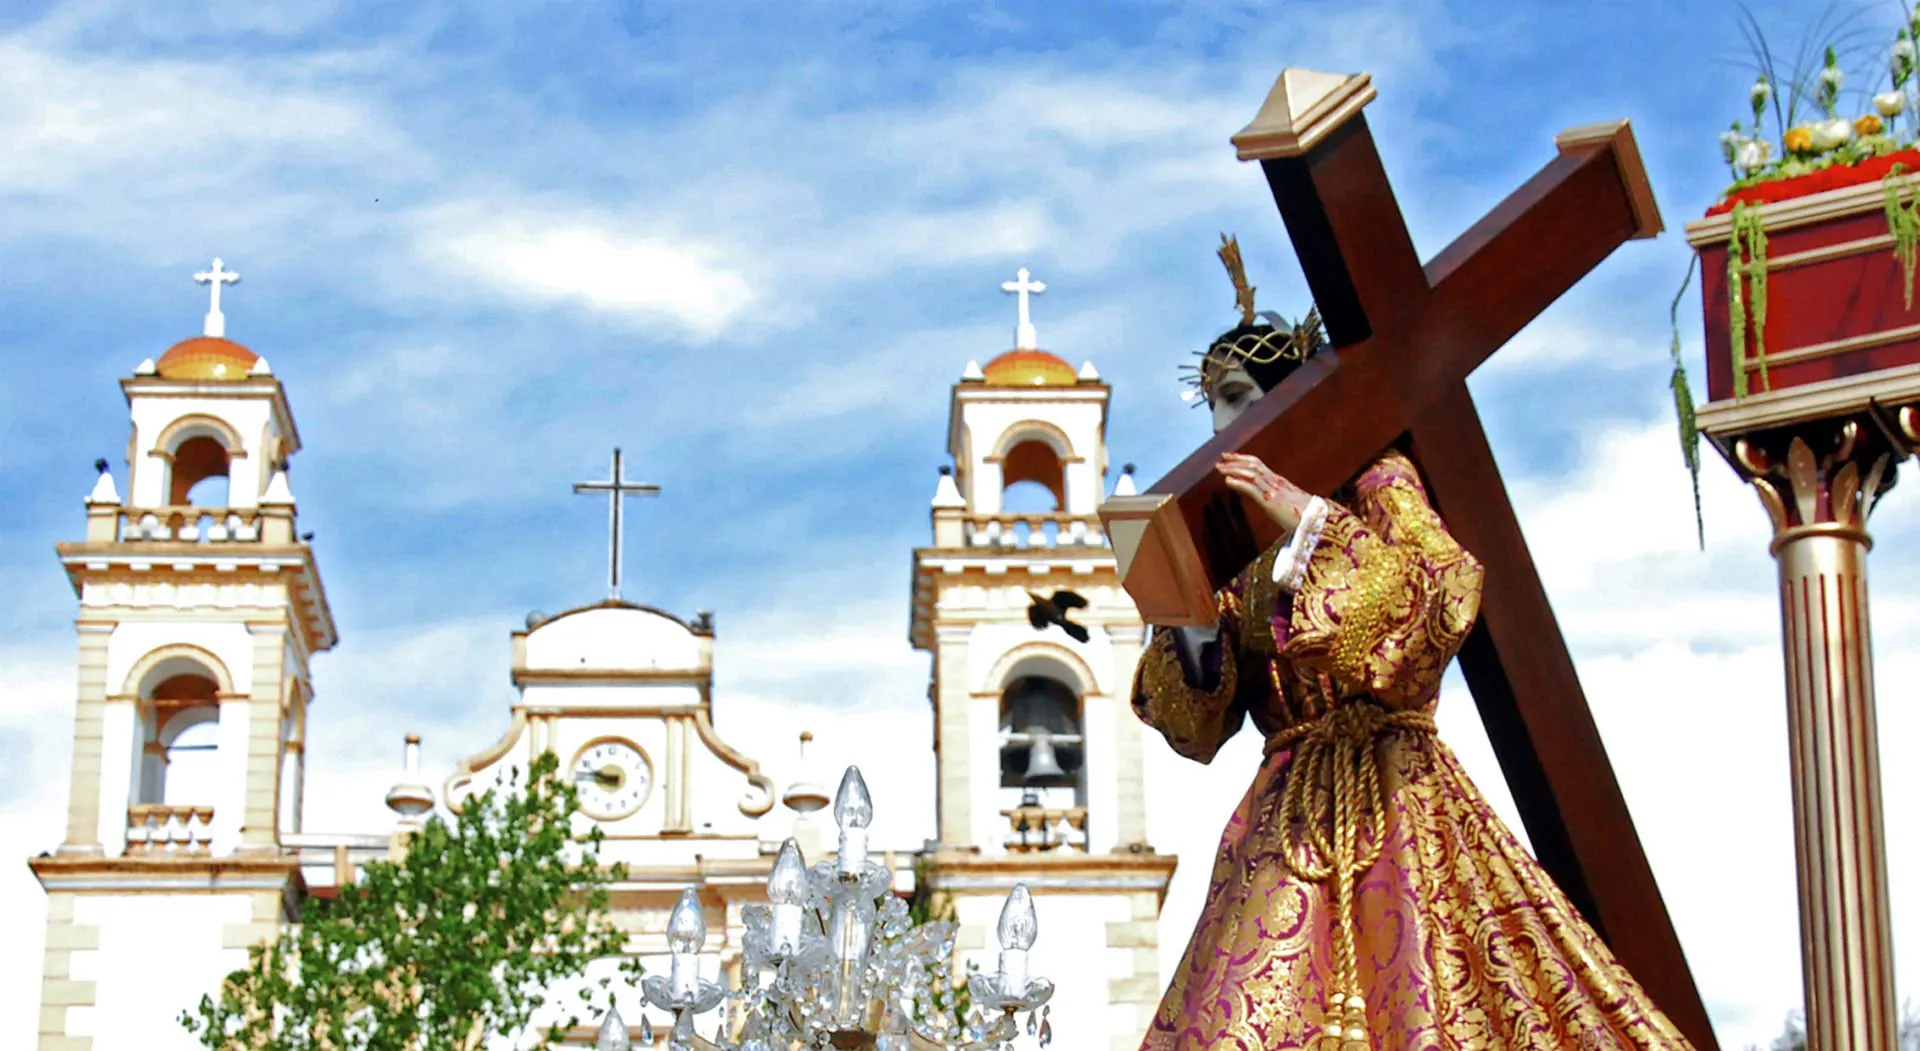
1819, 482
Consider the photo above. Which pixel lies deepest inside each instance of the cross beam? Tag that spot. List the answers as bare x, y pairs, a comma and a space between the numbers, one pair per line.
1404, 337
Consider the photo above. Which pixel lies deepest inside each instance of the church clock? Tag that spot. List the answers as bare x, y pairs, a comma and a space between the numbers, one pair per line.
613, 777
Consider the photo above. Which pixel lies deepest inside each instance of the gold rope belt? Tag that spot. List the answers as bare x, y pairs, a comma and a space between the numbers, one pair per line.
1332, 796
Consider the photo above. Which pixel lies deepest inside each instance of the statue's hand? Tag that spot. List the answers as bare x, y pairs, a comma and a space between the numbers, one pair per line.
1280, 499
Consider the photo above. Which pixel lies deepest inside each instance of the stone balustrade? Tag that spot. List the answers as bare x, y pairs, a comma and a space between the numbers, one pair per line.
193, 525
1040, 830
1041, 530
161, 828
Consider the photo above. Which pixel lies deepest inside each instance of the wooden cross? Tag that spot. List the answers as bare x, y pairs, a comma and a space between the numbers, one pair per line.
617, 489
1404, 338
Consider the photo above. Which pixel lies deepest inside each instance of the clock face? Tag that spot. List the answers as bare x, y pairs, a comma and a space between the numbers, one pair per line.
613, 778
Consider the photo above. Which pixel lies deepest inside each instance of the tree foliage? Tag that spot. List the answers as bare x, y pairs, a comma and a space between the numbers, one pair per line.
460, 941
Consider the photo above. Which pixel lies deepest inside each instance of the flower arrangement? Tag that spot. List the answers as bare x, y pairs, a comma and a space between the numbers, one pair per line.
1809, 135
1823, 143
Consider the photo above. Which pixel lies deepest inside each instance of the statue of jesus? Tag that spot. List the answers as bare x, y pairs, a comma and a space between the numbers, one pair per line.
1364, 896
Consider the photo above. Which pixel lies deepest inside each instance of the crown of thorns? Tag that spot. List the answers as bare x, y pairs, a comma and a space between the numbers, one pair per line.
1279, 340
1250, 344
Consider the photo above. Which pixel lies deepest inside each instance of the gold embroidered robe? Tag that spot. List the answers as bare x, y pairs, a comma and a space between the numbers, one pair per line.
1458, 938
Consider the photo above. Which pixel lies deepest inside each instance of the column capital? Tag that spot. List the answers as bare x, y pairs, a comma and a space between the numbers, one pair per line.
1824, 477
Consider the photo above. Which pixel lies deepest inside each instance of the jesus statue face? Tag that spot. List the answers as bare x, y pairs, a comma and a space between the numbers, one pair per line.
1233, 394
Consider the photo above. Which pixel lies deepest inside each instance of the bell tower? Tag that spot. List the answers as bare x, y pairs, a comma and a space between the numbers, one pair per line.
1034, 644
200, 609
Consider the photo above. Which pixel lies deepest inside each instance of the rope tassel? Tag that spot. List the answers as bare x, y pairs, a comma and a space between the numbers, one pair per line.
1333, 816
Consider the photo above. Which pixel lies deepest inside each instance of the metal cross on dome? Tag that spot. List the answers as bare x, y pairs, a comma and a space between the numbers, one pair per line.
216, 324
617, 488
1024, 337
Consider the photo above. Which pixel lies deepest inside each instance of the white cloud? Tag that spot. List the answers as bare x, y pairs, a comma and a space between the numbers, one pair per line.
564, 258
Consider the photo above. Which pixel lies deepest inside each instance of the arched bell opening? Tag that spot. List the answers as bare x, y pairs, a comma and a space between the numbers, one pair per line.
1042, 743
180, 735
1034, 478
200, 476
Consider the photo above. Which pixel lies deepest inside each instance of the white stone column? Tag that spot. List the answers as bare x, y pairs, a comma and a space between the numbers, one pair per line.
1130, 817
120, 752
230, 757
955, 760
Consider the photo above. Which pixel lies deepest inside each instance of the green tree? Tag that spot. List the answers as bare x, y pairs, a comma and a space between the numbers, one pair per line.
461, 940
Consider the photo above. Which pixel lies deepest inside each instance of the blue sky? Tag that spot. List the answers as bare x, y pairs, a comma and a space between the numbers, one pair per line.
753, 244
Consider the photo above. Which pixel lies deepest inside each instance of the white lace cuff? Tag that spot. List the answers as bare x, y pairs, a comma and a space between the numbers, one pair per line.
1290, 568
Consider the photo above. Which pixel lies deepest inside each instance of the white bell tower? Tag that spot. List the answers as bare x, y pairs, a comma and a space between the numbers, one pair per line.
200, 611
1039, 755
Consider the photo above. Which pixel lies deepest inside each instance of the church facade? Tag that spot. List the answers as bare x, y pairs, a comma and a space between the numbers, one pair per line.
200, 617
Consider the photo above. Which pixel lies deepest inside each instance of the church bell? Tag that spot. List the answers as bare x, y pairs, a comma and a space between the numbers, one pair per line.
1043, 763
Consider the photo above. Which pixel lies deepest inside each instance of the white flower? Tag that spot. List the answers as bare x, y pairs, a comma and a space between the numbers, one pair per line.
1762, 91
1891, 103
1730, 141
1754, 154
1902, 51
1831, 78
1832, 134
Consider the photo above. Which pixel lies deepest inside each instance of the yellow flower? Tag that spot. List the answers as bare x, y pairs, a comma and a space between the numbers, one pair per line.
1867, 125
1798, 140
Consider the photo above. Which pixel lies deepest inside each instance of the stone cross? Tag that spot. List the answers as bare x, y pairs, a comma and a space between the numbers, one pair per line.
1024, 337
1405, 336
216, 324
617, 488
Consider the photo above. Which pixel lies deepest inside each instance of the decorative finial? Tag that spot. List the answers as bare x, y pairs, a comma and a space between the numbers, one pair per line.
100, 465
216, 325
1242, 292
1024, 337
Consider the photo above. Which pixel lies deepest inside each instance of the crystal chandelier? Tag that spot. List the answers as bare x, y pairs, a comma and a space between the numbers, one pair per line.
834, 960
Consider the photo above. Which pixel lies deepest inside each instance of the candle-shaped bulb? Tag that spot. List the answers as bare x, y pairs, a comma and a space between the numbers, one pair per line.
853, 807
613, 1033
687, 927
1018, 924
786, 885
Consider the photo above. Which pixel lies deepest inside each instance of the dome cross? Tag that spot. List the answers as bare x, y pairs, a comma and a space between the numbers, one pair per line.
216, 325
1024, 336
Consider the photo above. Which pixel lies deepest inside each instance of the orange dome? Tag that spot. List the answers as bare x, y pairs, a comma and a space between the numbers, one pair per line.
206, 358
1029, 368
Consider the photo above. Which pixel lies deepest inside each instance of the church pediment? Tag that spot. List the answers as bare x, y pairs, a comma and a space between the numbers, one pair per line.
621, 693
612, 641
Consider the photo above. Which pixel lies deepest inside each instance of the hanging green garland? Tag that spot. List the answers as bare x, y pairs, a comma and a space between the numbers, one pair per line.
1747, 266
1683, 407
1903, 222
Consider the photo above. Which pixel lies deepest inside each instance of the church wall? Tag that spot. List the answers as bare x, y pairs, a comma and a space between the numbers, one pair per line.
158, 955
1072, 952
621, 695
